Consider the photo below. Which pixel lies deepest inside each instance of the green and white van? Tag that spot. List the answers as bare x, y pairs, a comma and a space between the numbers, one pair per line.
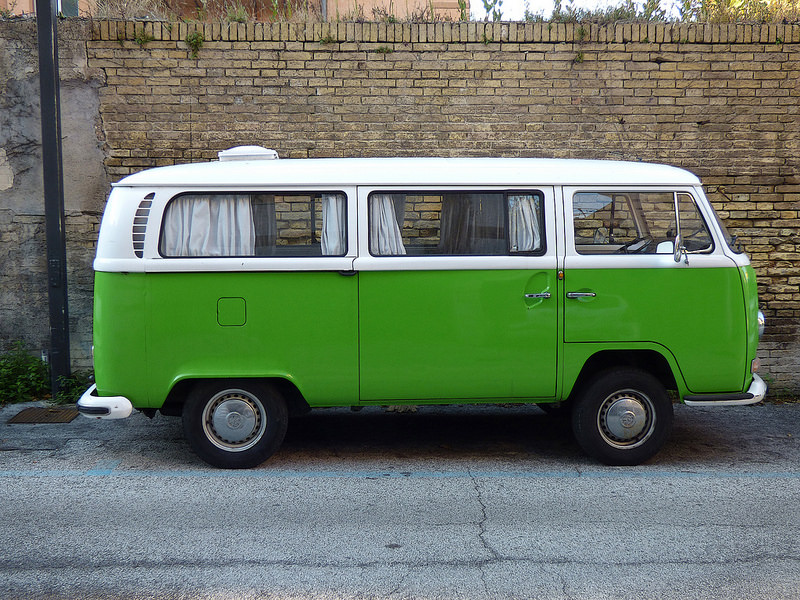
239, 292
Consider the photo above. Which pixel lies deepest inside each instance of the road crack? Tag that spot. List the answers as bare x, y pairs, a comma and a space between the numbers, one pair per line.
495, 555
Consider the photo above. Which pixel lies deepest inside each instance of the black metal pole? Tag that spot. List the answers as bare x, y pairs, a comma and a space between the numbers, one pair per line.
49, 93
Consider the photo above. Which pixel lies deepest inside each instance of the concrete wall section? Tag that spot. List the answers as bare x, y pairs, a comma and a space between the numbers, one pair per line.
23, 265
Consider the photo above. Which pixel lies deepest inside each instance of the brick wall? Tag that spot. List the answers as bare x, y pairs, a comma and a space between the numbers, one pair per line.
720, 100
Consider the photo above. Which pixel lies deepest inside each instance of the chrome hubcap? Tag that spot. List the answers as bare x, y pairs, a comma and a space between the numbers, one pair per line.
626, 418
234, 420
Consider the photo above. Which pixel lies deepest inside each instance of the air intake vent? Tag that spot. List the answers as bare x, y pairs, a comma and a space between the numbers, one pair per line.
140, 224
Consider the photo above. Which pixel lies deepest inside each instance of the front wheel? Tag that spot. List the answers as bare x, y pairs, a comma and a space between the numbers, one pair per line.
235, 424
623, 417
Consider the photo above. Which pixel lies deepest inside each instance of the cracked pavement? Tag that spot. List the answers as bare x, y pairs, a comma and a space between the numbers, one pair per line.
466, 502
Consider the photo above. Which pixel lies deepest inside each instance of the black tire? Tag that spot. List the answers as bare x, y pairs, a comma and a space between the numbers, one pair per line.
622, 417
236, 423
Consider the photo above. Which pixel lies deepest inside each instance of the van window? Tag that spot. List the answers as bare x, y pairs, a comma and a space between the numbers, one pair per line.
635, 222
694, 232
255, 224
455, 223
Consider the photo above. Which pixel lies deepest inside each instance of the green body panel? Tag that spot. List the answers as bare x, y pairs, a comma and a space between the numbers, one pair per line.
460, 335
300, 326
120, 364
697, 314
575, 357
418, 336
750, 289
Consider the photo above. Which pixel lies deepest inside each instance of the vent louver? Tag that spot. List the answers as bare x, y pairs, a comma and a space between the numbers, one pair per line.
140, 224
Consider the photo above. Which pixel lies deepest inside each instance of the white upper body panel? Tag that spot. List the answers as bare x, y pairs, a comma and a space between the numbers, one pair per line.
354, 178
409, 171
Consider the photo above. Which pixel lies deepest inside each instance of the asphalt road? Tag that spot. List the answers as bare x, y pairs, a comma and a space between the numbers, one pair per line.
457, 503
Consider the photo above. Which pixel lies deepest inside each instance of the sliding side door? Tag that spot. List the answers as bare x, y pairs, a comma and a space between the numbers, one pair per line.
457, 294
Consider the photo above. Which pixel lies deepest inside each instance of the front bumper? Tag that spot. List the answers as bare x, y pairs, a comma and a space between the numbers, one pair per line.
754, 394
103, 407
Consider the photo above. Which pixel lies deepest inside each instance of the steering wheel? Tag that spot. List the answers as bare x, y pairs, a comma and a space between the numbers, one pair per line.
632, 248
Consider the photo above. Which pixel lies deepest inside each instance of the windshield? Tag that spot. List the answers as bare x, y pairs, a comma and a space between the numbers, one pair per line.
729, 239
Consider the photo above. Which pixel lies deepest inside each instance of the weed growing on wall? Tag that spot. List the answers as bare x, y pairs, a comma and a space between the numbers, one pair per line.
195, 41
143, 38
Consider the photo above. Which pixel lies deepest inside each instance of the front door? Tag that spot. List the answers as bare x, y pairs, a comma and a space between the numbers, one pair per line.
457, 295
623, 286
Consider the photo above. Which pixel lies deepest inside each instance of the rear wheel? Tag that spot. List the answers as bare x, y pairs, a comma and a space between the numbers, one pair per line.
235, 424
623, 417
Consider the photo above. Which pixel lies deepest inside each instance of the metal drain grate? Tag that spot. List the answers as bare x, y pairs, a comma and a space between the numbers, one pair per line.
44, 415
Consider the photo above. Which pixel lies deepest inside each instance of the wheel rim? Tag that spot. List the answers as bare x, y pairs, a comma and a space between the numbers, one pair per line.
626, 419
234, 420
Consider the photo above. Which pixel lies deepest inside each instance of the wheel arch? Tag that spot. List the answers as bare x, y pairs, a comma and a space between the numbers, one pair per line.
176, 398
648, 360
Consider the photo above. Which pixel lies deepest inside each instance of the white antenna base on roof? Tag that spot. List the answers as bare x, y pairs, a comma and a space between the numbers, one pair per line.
247, 153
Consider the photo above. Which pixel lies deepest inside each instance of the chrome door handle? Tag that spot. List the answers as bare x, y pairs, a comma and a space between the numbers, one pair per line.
581, 294
542, 295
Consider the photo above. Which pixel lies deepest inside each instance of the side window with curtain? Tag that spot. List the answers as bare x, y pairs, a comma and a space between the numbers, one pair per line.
455, 223
255, 224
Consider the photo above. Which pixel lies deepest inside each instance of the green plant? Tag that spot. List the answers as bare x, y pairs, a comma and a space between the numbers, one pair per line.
486, 40
735, 11
195, 41
578, 58
23, 377
125, 10
581, 33
236, 13
327, 39
385, 15
627, 10
71, 388
143, 38
463, 15
383, 50
494, 9
8, 12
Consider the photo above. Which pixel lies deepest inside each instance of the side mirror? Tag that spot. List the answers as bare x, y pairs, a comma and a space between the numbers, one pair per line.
665, 248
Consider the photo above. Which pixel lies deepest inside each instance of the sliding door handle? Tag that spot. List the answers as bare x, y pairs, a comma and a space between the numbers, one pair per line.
581, 294
542, 295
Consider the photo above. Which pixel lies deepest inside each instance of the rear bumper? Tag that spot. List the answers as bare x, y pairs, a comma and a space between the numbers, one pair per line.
755, 394
103, 407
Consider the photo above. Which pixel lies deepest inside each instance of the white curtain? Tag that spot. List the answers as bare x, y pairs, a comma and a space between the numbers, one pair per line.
218, 225
334, 225
384, 232
523, 217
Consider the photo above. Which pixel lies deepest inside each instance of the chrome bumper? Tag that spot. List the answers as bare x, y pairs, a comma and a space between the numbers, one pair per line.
103, 407
754, 394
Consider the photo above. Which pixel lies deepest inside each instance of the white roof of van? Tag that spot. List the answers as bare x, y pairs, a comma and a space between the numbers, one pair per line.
337, 172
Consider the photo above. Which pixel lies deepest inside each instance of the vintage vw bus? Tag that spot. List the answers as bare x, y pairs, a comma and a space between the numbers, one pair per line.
238, 292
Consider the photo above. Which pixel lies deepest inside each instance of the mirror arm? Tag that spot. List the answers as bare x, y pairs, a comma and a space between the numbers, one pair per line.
680, 249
